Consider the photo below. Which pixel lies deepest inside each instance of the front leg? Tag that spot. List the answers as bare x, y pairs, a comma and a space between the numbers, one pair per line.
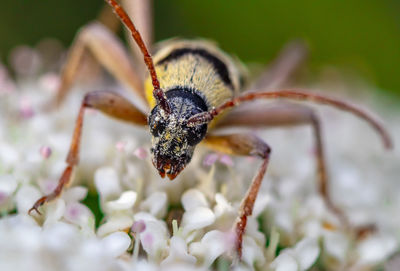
110, 104
108, 51
248, 145
261, 116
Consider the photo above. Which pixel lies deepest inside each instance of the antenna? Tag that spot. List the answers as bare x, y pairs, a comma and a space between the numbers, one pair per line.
158, 94
206, 117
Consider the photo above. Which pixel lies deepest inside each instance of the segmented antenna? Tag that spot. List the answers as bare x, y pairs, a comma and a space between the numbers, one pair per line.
206, 117
158, 94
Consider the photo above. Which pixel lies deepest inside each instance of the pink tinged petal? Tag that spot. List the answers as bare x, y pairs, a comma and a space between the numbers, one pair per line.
124, 202
193, 199
107, 183
120, 146
154, 237
147, 240
25, 108
50, 82
116, 243
138, 226
178, 253
79, 214
45, 151
226, 160
156, 204
141, 153
48, 186
210, 159
3, 197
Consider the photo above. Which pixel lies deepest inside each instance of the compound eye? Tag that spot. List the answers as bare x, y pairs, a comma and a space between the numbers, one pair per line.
157, 128
196, 134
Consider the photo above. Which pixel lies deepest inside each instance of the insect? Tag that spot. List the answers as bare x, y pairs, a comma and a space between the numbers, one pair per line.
189, 89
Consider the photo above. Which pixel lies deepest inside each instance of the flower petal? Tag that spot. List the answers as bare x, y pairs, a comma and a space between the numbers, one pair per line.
116, 243
196, 219
284, 262
192, 199
26, 196
376, 248
178, 253
107, 182
212, 245
307, 251
156, 204
8, 184
124, 202
115, 223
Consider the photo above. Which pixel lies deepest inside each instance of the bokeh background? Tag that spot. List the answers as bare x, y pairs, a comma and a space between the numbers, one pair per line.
360, 37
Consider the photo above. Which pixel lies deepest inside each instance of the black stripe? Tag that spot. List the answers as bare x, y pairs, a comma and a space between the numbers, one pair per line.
187, 94
218, 64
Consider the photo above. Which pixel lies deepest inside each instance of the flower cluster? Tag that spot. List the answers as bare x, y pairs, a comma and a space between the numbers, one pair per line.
120, 215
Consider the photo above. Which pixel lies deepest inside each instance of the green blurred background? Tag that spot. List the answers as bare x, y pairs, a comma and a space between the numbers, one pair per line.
360, 36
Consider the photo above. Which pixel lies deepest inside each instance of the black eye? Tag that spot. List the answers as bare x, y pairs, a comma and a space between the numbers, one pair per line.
196, 134
157, 128
156, 123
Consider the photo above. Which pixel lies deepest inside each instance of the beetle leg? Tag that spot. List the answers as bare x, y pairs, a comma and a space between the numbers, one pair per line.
260, 115
111, 54
249, 145
283, 67
112, 105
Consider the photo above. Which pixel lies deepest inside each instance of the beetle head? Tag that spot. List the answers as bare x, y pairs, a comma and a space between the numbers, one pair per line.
173, 140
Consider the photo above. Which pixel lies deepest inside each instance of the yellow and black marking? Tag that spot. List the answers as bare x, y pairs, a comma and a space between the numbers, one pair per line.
196, 65
195, 76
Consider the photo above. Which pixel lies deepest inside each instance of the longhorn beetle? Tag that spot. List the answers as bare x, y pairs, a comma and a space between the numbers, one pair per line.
190, 84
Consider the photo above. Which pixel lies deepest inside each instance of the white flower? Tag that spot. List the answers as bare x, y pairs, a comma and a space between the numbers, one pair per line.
25, 198
178, 253
124, 202
376, 248
212, 245
135, 202
107, 183
154, 237
116, 243
301, 257
118, 222
156, 204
